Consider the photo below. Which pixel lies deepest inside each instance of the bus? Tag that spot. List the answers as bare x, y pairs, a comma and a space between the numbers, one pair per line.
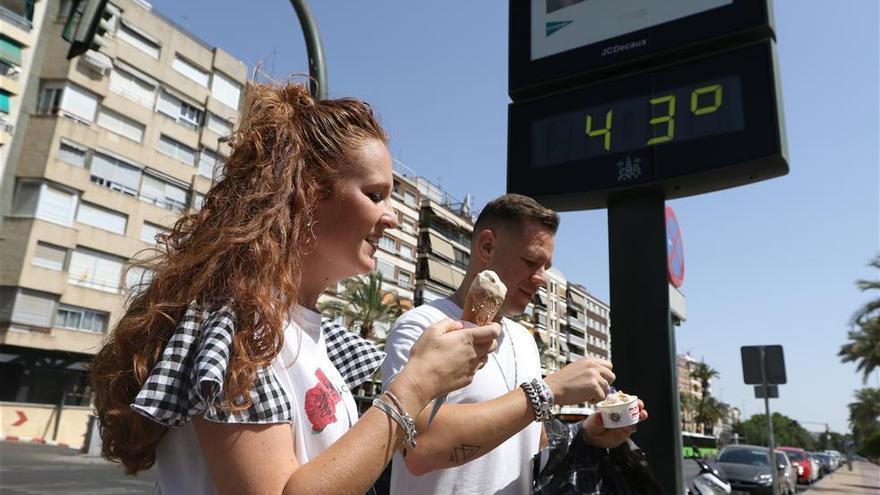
698, 445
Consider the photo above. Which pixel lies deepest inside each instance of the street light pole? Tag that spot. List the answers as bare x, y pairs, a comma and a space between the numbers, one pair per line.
317, 67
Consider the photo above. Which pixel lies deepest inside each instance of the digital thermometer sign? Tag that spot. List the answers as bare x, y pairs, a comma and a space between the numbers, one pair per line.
558, 43
685, 129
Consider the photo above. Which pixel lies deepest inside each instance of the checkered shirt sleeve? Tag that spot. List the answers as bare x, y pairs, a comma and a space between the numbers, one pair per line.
355, 357
188, 379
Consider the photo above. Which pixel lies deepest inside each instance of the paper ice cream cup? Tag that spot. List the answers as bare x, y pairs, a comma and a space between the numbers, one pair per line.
621, 414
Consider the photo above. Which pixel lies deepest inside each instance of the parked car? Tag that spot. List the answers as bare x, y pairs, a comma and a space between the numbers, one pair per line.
818, 470
748, 470
836, 458
801, 462
824, 463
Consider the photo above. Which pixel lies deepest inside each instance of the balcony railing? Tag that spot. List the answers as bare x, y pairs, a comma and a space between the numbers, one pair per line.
15, 19
578, 341
576, 323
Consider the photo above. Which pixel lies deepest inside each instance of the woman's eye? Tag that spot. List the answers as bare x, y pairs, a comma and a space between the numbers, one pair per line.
375, 197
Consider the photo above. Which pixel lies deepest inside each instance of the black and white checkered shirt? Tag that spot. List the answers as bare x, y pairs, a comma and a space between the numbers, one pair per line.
188, 379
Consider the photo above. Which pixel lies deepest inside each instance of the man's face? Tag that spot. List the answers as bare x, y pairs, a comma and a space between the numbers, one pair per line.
521, 257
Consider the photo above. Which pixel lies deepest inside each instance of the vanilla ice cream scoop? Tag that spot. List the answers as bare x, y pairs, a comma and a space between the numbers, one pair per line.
484, 298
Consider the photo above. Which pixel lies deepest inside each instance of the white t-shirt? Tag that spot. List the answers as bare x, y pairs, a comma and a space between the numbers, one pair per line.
507, 468
322, 404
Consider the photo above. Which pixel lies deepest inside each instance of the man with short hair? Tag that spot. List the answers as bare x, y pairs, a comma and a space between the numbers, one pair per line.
483, 440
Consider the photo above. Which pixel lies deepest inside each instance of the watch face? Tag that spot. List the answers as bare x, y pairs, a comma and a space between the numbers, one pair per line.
562, 25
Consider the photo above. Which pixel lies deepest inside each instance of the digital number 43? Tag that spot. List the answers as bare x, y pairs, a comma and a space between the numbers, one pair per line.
667, 118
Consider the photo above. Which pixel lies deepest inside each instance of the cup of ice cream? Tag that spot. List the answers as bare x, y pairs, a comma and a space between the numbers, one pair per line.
619, 410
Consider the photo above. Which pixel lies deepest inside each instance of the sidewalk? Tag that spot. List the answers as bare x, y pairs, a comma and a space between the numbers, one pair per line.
864, 479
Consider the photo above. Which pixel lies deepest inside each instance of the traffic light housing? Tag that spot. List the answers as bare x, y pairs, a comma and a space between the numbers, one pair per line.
87, 26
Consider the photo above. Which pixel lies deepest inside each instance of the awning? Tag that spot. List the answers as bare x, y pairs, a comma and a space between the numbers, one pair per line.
135, 72
444, 273
451, 217
442, 247
98, 60
136, 29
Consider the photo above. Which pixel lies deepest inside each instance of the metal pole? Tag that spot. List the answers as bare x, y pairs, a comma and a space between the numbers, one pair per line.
774, 469
642, 334
317, 67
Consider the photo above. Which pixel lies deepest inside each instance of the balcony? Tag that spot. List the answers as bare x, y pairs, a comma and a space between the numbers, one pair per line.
15, 19
578, 341
576, 323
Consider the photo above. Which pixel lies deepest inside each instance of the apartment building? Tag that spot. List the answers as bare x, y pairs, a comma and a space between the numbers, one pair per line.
111, 148
20, 21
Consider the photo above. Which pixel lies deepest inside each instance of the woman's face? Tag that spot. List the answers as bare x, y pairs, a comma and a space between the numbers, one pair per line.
350, 222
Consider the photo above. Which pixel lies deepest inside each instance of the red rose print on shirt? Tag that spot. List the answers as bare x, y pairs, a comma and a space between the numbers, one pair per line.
321, 403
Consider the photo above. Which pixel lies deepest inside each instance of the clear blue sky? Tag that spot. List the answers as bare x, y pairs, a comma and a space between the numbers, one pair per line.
770, 263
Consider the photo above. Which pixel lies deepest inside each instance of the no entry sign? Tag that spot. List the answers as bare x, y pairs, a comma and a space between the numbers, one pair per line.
674, 249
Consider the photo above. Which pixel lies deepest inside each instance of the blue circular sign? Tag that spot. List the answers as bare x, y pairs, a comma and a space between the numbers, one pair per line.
674, 250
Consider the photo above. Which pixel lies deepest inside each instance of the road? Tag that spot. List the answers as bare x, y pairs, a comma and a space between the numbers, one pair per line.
35, 469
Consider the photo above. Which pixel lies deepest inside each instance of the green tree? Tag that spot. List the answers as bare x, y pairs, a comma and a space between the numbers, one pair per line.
364, 303
863, 419
707, 411
863, 347
786, 432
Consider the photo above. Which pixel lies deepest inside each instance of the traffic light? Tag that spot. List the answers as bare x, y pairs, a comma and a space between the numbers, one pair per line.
87, 25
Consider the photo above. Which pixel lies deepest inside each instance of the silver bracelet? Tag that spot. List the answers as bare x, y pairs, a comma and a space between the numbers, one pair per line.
401, 417
541, 398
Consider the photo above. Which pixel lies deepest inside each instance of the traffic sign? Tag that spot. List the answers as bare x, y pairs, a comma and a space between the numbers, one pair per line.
686, 129
773, 363
674, 249
769, 392
556, 43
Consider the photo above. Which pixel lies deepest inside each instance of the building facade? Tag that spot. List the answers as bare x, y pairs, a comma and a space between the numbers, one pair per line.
109, 150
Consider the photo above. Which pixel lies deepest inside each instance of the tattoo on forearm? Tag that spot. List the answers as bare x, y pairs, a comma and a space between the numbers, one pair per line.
463, 453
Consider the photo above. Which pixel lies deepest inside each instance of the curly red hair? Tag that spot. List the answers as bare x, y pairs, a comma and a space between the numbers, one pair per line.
245, 246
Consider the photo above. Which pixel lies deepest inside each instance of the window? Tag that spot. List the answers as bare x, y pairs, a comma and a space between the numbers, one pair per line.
37, 199
409, 198
138, 38
177, 150
190, 70
137, 278
102, 218
115, 174
408, 226
149, 232
387, 243
406, 251
185, 114
404, 279
163, 193
76, 318
4, 102
462, 258
72, 153
219, 125
210, 164
386, 269
95, 270
225, 90
133, 87
120, 124
198, 201
10, 51
49, 256
29, 307
68, 99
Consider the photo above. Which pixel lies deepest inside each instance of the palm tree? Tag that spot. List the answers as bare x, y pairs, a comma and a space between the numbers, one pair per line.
704, 374
864, 345
365, 303
865, 411
706, 412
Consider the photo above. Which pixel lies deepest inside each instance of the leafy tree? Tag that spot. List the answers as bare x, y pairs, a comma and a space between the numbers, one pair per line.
863, 347
786, 432
364, 303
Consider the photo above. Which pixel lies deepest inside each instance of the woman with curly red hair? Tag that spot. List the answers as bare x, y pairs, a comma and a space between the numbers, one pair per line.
221, 371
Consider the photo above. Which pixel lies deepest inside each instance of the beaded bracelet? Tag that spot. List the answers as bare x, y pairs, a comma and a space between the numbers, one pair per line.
400, 416
541, 398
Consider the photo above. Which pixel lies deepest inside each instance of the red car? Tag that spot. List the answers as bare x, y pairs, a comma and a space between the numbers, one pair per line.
801, 462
